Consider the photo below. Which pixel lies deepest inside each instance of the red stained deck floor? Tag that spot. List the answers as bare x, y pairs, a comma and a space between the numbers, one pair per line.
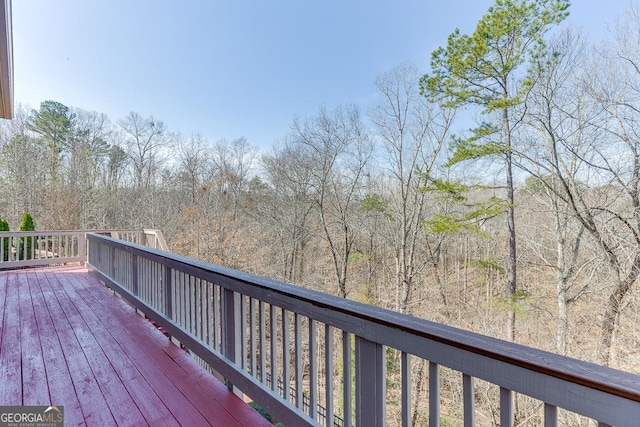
66, 340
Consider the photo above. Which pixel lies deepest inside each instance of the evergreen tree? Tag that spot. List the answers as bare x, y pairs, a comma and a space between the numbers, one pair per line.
494, 69
4, 226
54, 123
26, 243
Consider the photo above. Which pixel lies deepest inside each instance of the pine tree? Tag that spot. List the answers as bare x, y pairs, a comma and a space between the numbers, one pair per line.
494, 69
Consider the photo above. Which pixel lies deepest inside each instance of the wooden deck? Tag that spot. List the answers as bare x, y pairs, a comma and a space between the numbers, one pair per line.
66, 340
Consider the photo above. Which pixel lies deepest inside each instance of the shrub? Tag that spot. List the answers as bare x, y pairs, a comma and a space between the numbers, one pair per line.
4, 226
261, 411
26, 224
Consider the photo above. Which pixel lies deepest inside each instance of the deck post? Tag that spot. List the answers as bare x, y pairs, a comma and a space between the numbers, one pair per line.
231, 329
370, 383
82, 246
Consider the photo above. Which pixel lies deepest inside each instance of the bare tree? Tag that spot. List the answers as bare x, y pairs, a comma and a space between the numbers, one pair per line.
617, 92
232, 162
22, 188
16, 126
592, 151
86, 157
556, 112
147, 144
286, 209
145, 141
193, 159
340, 150
412, 132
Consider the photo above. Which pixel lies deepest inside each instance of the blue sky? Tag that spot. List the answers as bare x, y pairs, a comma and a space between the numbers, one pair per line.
234, 68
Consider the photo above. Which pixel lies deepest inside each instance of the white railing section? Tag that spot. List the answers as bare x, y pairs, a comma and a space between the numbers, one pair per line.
313, 359
39, 248
34, 248
145, 237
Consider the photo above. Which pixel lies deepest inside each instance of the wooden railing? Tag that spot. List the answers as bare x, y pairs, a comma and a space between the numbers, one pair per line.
251, 330
145, 237
37, 248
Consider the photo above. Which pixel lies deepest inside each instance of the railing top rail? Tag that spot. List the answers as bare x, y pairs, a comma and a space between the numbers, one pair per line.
355, 317
43, 233
61, 232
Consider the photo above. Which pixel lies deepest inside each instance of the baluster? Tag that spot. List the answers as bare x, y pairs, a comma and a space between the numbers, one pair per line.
273, 346
328, 374
178, 297
370, 383
405, 367
298, 354
192, 312
201, 312
159, 286
146, 280
286, 358
211, 325
168, 292
186, 300
112, 269
216, 317
550, 415
231, 329
243, 332
506, 407
151, 282
252, 335
434, 395
468, 399
263, 338
313, 370
134, 272
346, 382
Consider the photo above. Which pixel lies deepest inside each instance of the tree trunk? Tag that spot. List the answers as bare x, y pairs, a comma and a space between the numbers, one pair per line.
612, 312
561, 327
511, 225
416, 400
561, 282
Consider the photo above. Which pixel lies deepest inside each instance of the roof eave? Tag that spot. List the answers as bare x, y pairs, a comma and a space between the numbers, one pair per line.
6, 61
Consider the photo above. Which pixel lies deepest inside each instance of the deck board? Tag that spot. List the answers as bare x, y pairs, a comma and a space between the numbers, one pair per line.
67, 340
10, 360
122, 407
142, 334
94, 406
58, 376
33, 371
153, 410
131, 354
